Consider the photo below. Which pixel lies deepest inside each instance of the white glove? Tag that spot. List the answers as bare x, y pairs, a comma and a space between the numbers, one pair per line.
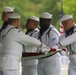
43, 49
62, 53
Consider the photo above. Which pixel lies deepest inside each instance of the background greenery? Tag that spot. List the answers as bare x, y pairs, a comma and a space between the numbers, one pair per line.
35, 7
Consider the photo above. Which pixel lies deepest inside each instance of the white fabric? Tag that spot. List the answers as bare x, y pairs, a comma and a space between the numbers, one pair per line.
29, 67
70, 43
30, 49
72, 65
65, 17
29, 70
14, 15
8, 9
34, 18
70, 39
46, 15
44, 49
50, 65
65, 58
10, 72
49, 68
12, 42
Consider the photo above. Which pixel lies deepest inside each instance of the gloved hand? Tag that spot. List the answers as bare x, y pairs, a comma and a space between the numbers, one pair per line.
63, 51
43, 49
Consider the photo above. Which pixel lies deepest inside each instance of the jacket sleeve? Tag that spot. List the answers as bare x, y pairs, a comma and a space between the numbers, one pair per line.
69, 40
25, 39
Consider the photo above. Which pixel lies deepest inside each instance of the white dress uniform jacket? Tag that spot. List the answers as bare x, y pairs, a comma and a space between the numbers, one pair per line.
12, 41
29, 67
50, 65
31, 48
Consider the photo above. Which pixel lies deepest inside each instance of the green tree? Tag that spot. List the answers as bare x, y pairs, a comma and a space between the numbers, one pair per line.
69, 7
35, 7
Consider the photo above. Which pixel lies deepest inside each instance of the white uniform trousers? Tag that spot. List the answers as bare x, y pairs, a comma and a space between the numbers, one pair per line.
72, 65
29, 70
49, 68
72, 71
10, 72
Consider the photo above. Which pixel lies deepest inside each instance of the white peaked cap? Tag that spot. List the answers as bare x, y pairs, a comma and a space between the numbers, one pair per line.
8, 9
34, 18
65, 17
14, 16
46, 15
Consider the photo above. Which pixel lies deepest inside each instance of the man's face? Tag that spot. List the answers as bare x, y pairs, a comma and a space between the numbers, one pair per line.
4, 16
44, 22
30, 24
67, 24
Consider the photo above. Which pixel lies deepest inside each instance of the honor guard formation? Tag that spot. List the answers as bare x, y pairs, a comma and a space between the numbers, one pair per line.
16, 45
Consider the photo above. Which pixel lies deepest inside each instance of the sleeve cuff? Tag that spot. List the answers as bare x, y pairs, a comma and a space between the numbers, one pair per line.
59, 44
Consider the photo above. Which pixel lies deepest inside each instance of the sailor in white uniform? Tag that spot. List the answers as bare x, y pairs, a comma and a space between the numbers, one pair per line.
68, 39
29, 67
5, 12
49, 36
12, 45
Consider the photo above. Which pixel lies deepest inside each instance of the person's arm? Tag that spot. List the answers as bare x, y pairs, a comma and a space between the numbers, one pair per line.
69, 40
26, 39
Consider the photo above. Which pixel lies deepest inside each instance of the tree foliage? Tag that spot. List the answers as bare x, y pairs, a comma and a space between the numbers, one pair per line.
70, 7
35, 7
25, 8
